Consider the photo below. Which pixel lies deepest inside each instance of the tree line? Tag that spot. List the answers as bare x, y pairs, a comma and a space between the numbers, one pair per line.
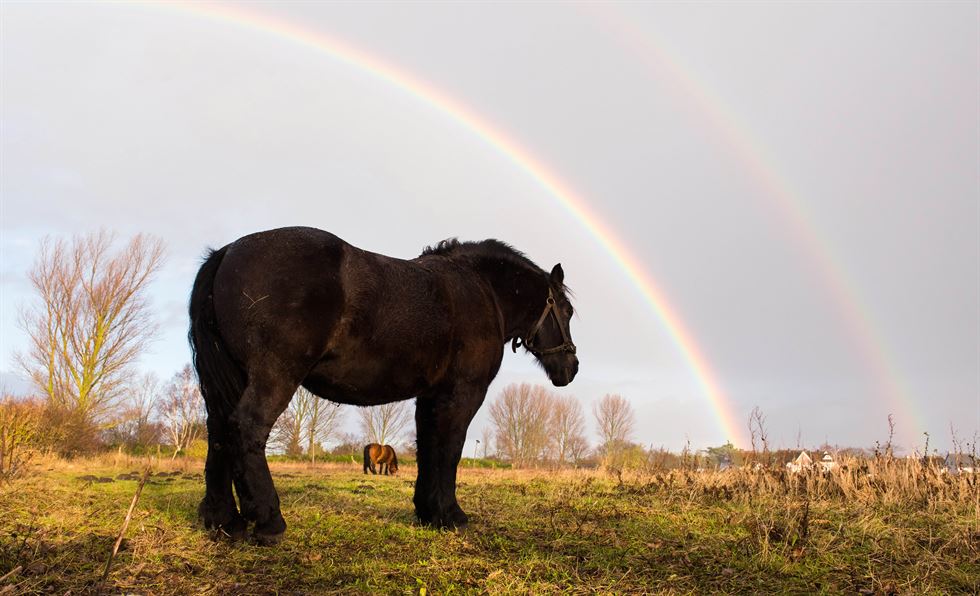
532, 426
90, 321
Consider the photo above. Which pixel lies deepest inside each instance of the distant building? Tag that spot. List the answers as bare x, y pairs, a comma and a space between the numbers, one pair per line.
827, 463
960, 463
802, 463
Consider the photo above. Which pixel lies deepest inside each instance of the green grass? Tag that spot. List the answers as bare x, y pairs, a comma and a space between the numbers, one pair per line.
530, 532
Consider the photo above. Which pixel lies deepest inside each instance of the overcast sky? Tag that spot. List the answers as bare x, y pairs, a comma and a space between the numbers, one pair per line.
801, 180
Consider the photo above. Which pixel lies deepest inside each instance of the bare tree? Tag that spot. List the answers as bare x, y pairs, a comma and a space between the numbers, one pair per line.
287, 433
323, 422
384, 424
134, 424
521, 418
410, 442
757, 429
615, 419
578, 449
182, 410
307, 423
567, 429
89, 322
486, 438
138, 427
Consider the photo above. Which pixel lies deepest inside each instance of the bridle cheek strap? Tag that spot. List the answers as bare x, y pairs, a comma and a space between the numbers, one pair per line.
551, 308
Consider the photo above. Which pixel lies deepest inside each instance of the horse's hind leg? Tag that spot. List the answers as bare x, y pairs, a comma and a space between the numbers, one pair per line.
441, 423
261, 404
218, 510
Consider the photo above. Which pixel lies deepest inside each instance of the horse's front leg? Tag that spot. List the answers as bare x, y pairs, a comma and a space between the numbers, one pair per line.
441, 421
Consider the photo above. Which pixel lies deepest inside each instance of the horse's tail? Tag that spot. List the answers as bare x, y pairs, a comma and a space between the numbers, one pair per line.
367, 457
222, 381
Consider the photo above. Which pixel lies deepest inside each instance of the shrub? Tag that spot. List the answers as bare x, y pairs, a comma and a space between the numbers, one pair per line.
71, 433
624, 456
21, 430
198, 449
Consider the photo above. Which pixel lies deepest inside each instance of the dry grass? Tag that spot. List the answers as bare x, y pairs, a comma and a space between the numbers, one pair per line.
894, 527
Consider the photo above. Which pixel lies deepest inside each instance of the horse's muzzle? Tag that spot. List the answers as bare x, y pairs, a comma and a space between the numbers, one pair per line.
565, 375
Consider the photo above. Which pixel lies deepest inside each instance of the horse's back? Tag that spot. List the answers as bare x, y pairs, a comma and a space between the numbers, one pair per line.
352, 326
387, 453
372, 451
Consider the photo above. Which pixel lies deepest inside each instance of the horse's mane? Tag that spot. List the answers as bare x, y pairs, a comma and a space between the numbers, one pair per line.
490, 248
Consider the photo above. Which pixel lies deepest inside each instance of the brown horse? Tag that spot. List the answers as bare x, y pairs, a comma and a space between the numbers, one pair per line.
382, 455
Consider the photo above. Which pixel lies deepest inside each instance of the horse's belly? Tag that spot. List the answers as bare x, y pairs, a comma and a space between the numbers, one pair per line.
368, 382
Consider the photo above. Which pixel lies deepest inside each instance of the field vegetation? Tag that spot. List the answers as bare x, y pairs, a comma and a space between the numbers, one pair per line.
886, 526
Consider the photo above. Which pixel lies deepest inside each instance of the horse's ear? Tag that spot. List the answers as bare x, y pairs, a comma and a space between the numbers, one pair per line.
557, 275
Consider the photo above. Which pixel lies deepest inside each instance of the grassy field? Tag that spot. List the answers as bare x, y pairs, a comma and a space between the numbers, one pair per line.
530, 532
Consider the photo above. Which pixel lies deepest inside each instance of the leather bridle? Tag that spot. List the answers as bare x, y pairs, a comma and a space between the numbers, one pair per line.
528, 340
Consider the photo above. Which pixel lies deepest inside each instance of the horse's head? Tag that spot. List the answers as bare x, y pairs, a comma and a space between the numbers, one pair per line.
550, 338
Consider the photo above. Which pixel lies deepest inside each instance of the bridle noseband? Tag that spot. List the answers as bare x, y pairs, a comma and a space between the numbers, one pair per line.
566, 345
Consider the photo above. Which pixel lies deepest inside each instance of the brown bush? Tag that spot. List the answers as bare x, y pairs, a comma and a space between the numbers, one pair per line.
69, 433
21, 434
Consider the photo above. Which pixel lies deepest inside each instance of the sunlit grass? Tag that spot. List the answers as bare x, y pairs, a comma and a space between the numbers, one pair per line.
530, 532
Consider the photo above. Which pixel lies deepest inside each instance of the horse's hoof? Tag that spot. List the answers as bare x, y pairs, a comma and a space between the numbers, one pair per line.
455, 521
449, 520
236, 530
222, 522
269, 533
267, 539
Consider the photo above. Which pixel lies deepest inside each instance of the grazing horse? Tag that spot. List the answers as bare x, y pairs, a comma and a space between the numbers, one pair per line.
381, 455
299, 306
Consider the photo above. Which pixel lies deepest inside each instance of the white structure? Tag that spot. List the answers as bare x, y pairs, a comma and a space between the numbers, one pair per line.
827, 463
960, 463
801, 463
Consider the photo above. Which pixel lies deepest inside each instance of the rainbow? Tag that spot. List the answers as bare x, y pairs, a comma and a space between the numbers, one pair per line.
789, 206
551, 182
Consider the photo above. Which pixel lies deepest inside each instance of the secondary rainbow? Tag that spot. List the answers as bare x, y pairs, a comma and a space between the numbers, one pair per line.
788, 205
573, 202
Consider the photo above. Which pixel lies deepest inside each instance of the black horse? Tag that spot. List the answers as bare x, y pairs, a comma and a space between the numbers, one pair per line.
298, 306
